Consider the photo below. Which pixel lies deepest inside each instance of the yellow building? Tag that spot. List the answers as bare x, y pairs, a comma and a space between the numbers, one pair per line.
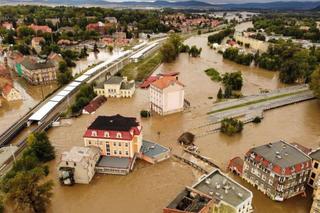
314, 175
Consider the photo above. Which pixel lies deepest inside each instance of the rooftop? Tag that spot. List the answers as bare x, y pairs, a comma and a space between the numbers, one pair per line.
315, 155
166, 81
77, 153
33, 64
223, 188
152, 149
114, 123
115, 162
281, 153
127, 85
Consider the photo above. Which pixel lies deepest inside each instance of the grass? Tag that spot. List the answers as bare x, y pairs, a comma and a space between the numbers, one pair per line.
140, 70
255, 102
213, 73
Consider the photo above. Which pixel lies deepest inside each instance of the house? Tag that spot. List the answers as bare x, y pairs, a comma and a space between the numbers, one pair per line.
10, 93
55, 58
7, 25
119, 140
14, 60
166, 95
78, 165
215, 192
41, 28
280, 170
36, 43
115, 87
94, 105
110, 19
38, 71
99, 27
315, 172
315, 208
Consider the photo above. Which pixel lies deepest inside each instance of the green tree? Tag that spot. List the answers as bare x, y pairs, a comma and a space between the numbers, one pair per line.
231, 126
171, 48
233, 80
40, 146
29, 192
220, 94
315, 82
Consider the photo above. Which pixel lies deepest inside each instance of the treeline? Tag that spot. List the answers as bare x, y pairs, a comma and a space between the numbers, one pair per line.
218, 37
84, 96
233, 54
287, 25
26, 185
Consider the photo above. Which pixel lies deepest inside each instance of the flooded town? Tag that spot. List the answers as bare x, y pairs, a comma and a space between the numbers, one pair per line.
205, 112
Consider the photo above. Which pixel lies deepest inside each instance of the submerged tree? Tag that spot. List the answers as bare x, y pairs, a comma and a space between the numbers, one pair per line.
315, 82
231, 126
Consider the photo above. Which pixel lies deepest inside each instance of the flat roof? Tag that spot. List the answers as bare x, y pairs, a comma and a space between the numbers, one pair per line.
74, 84
69, 88
315, 155
63, 93
143, 51
281, 153
43, 111
114, 162
57, 98
82, 78
151, 149
223, 188
139, 45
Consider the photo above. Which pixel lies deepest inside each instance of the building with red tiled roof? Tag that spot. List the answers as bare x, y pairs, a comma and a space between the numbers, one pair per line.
10, 93
94, 105
166, 95
42, 28
279, 169
7, 25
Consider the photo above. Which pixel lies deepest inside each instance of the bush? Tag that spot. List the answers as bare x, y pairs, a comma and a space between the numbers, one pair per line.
218, 37
232, 80
213, 73
231, 126
145, 113
256, 120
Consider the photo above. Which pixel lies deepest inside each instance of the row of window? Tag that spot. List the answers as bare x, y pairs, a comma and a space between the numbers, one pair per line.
116, 152
106, 134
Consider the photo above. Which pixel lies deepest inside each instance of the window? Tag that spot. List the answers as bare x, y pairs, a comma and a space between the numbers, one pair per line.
114, 144
313, 175
115, 152
119, 135
119, 144
74, 164
120, 153
89, 142
67, 163
94, 133
127, 153
126, 144
316, 165
311, 182
106, 134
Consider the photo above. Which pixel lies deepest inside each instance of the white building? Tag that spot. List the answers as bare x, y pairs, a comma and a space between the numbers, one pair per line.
116, 87
166, 95
78, 165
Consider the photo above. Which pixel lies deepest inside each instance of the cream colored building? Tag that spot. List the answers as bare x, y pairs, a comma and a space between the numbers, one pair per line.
166, 95
116, 87
78, 165
10, 93
115, 136
315, 208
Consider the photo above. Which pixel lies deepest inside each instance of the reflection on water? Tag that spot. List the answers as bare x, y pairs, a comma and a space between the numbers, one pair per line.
150, 188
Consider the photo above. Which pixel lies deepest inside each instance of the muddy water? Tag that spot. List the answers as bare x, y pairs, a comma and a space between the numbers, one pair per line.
149, 188
10, 112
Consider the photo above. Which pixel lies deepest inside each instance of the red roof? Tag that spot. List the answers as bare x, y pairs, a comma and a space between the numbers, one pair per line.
236, 164
7, 89
165, 81
43, 28
94, 104
146, 83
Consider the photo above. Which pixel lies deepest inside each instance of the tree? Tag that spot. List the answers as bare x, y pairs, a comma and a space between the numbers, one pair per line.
95, 48
233, 80
28, 191
220, 94
194, 51
315, 82
171, 48
40, 146
231, 126
228, 92
83, 52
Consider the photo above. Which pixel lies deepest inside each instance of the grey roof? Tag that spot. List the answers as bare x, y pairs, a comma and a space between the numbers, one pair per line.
281, 153
315, 155
32, 64
223, 188
115, 162
151, 149
127, 85
114, 80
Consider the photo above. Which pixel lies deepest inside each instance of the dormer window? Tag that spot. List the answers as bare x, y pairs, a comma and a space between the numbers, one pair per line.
94, 133
106, 134
119, 135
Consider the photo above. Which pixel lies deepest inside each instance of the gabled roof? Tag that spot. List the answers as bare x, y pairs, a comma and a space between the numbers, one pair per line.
95, 104
166, 81
32, 64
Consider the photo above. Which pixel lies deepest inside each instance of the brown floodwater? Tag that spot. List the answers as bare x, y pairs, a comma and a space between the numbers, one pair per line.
149, 188
10, 112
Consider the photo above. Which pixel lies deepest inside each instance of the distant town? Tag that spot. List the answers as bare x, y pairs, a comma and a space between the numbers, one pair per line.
172, 110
